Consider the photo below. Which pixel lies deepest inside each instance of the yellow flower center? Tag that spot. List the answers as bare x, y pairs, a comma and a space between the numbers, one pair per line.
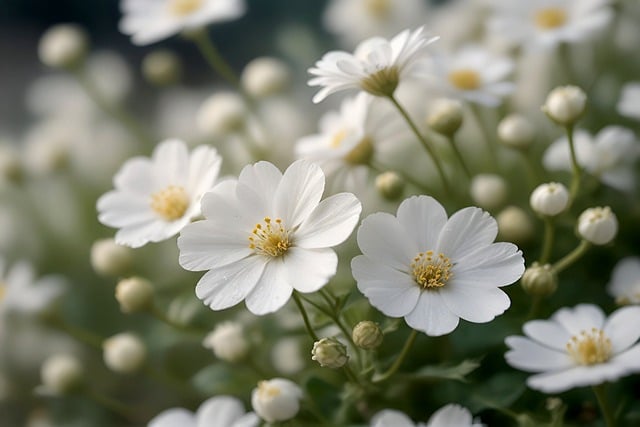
360, 154
184, 7
382, 82
266, 390
3, 290
337, 139
378, 8
170, 203
465, 79
431, 271
589, 347
270, 238
551, 17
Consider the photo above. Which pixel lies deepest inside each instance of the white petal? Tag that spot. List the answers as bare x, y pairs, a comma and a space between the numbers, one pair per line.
547, 333
170, 163
310, 269
478, 305
219, 411
498, 264
272, 290
204, 166
391, 418
226, 286
622, 328
531, 356
431, 315
263, 176
247, 420
466, 231
204, 245
582, 317
384, 240
423, 218
630, 359
392, 292
135, 176
451, 415
556, 382
221, 205
119, 209
140, 234
173, 418
330, 223
299, 192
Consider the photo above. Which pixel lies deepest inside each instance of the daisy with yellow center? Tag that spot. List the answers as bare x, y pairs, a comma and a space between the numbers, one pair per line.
433, 270
155, 197
577, 347
265, 235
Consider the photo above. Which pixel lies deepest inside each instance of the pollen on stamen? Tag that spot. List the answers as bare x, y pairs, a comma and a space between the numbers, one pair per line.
551, 17
184, 7
589, 347
170, 203
465, 79
431, 271
270, 238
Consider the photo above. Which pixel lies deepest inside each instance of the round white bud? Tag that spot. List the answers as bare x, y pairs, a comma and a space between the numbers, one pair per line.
516, 131
134, 294
540, 280
276, 400
489, 191
445, 116
265, 76
367, 335
329, 353
390, 185
286, 356
110, 259
228, 342
549, 199
598, 225
221, 114
514, 225
161, 67
61, 373
565, 104
63, 46
124, 353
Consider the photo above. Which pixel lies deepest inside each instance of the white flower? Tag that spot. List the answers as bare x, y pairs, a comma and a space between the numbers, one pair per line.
609, 156
577, 347
377, 66
154, 198
265, 235
598, 225
124, 353
447, 416
547, 23
217, 411
565, 104
277, 399
265, 76
472, 74
549, 199
151, 21
629, 102
433, 270
228, 341
624, 285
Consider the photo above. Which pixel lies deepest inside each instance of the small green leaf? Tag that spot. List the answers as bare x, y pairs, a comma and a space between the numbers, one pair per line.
446, 371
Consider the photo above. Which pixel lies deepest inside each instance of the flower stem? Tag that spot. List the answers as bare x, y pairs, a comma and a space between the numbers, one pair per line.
547, 246
158, 314
396, 364
493, 155
211, 54
458, 154
79, 334
576, 171
423, 141
305, 316
111, 404
572, 256
607, 413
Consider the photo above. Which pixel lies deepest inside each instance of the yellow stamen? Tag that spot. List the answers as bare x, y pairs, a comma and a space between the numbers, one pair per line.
266, 390
270, 239
337, 139
184, 7
431, 271
378, 8
589, 348
465, 79
170, 203
551, 17
360, 154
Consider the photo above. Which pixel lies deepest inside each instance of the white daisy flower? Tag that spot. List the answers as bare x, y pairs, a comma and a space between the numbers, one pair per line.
629, 102
610, 156
473, 74
149, 21
217, 411
547, 23
624, 285
447, 416
265, 235
154, 198
377, 66
577, 347
432, 270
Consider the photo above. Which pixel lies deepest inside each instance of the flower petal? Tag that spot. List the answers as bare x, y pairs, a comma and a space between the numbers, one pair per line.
204, 245
478, 305
135, 176
498, 264
547, 333
532, 356
451, 415
582, 317
119, 209
431, 315
310, 269
170, 161
330, 223
204, 167
272, 290
466, 231
172, 418
391, 418
299, 192
384, 240
559, 381
423, 218
219, 411
622, 328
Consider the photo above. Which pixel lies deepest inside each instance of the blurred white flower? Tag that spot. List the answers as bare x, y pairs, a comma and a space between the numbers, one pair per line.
624, 285
629, 102
432, 270
609, 156
228, 341
265, 76
577, 347
277, 399
265, 235
547, 23
216, 411
377, 66
598, 225
151, 21
472, 74
63, 46
124, 353
448, 416
549, 199
156, 197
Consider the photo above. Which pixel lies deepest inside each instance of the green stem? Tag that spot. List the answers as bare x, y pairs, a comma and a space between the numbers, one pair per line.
79, 334
458, 154
423, 141
493, 154
211, 54
533, 168
547, 246
380, 169
305, 317
576, 171
607, 413
572, 256
111, 404
535, 306
158, 314
396, 364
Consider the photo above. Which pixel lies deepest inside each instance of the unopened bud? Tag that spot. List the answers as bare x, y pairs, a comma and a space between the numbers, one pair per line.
161, 67
329, 353
276, 400
61, 374
265, 76
514, 225
367, 335
63, 46
221, 114
110, 259
445, 116
488, 191
390, 185
228, 342
134, 294
598, 225
124, 353
539, 280
516, 131
565, 105
549, 199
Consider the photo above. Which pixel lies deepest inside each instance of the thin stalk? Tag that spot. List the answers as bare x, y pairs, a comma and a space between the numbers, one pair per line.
423, 141
458, 154
211, 54
396, 364
305, 316
380, 169
605, 408
547, 245
576, 171
572, 256
158, 314
111, 404
493, 153
79, 334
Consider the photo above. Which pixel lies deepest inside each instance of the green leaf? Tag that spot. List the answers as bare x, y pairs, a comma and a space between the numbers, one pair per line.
446, 371
499, 392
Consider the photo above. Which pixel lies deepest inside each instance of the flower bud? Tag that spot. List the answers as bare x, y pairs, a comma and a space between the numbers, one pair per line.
565, 105
110, 259
11, 169
134, 294
516, 131
445, 116
265, 76
539, 280
63, 46
61, 374
549, 199
276, 400
488, 191
390, 185
228, 342
329, 353
514, 225
124, 353
367, 335
221, 114
161, 67
598, 225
